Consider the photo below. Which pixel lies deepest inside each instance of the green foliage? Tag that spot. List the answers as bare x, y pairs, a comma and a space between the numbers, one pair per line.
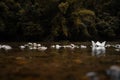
63, 7
59, 26
60, 19
105, 29
2, 26
84, 20
86, 12
32, 29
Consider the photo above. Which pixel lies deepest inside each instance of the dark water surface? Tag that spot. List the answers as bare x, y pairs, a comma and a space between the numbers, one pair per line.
53, 64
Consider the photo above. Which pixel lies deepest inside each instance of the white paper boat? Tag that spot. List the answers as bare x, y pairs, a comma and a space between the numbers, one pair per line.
98, 44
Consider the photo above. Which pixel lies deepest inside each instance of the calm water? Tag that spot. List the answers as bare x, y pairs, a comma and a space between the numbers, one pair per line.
56, 64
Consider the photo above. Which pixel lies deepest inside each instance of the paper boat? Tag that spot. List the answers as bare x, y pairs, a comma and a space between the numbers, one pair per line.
98, 44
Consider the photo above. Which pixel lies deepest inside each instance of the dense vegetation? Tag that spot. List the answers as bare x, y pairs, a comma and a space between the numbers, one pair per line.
56, 20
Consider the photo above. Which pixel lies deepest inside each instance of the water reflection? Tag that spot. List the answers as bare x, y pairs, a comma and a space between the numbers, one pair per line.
72, 62
92, 76
98, 51
114, 72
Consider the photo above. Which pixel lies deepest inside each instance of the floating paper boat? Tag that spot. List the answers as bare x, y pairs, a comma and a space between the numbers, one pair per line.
98, 44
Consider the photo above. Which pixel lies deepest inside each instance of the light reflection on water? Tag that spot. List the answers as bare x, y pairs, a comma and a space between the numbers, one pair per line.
98, 51
89, 51
65, 63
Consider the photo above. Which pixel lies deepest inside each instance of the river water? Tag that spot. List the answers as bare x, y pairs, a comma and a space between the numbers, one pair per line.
57, 64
